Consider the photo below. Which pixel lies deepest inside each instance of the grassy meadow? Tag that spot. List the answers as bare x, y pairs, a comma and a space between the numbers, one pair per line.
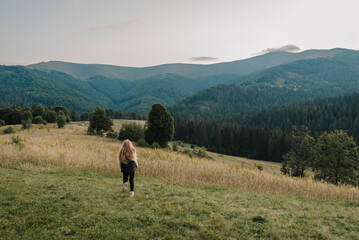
117, 123
62, 183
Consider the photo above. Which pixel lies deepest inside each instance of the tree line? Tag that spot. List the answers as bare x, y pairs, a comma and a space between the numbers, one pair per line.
36, 114
158, 131
319, 115
233, 139
333, 156
39, 114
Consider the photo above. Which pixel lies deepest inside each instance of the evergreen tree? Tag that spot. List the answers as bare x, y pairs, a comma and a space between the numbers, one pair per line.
99, 122
160, 125
337, 158
74, 116
299, 158
84, 116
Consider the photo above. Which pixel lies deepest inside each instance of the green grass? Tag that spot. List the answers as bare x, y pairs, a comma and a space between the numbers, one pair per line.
84, 205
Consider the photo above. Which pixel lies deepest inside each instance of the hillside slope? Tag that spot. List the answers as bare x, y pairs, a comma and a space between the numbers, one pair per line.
20, 85
319, 115
139, 95
62, 183
297, 81
91, 206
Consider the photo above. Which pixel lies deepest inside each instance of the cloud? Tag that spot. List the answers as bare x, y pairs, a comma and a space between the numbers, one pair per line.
286, 48
204, 59
113, 26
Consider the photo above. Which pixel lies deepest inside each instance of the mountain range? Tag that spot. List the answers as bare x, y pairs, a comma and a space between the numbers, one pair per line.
287, 83
189, 90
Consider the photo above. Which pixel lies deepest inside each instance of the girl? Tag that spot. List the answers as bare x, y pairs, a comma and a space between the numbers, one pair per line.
128, 161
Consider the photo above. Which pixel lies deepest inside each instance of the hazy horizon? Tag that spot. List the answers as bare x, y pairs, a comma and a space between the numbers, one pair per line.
149, 33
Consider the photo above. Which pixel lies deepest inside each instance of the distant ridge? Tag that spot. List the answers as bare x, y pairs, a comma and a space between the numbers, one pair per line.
301, 80
239, 67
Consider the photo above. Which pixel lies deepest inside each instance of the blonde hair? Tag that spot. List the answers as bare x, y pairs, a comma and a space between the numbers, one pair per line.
127, 152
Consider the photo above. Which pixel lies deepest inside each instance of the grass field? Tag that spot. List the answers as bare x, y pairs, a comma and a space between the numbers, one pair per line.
117, 123
61, 183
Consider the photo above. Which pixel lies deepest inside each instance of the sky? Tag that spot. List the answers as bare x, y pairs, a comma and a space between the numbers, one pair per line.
143, 33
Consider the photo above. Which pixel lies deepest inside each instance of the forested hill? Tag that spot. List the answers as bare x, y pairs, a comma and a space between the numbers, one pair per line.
297, 81
319, 115
20, 85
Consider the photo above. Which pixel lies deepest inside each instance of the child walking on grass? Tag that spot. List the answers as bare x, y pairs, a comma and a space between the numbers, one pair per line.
128, 161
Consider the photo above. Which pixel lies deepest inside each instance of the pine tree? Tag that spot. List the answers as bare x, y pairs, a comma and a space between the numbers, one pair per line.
160, 126
299, 158
99, 122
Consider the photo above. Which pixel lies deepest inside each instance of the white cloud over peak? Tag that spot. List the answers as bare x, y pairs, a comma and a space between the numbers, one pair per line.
204, 59
285, 48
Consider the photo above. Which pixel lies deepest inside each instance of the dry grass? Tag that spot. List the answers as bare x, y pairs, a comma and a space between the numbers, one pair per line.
117, 123
51, 149
268, 167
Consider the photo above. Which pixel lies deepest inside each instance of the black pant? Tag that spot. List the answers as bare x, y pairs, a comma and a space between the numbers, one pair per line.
132, 176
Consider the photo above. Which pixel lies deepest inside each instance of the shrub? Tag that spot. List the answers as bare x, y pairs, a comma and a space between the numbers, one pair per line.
132, 131
26, 124
9, 130
180, 143
112, 134
188, 152
18, 141
259, 167
61, 119
142, 143
201, 153
175, 146
156, 145
39, 120
2, 123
